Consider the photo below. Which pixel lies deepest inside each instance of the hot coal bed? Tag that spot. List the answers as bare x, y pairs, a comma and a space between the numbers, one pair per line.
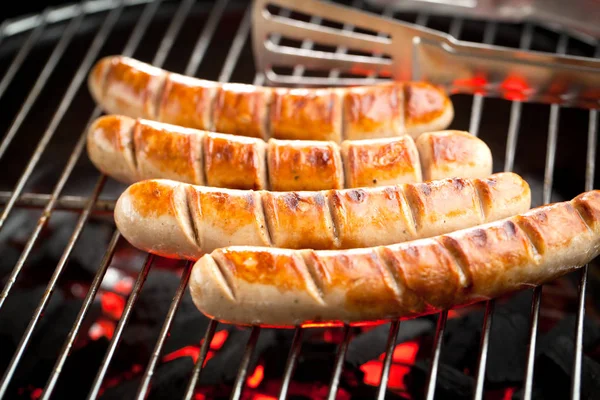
509, 339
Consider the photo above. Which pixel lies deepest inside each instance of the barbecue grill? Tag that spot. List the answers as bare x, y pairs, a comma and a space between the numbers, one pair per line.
48, 185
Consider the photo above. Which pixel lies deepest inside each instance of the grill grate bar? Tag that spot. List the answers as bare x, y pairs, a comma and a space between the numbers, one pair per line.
489, 36
89, 299
590, 172
22, 55
515, 109
172, 32
195, 59
92, 52
46, 214
42, 78
132, 44
290, 364
339, 363
483, 350
387, 361
546, 198
511, 143
66, 101
236, 47
476, 111
174, 27
50, 288
205, 37
238, 385
114, 342
164, 332
68, 203
208, 336
437, 351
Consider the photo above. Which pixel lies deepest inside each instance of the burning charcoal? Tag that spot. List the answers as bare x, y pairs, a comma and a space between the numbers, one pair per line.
369, 345
566, 329
89, 248
450, 383
18, 310
508, 340
223, 367
507, 353
79, 371
168, 382
147, 317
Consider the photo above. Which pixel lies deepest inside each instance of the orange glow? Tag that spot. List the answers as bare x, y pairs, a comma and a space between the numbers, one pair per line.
256, 378
406, 353
453, 314
188, 351
514, 83
102, 328
328, 336
508, 394
372, 371
112, 304
36, 393
476, 81
515, 88
263, 397
218, 340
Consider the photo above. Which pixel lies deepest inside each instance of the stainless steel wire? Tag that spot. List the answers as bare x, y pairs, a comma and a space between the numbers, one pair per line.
387, 361
511, 142
290, 364
12, 366
129, 48
88, 205
10, 73
193, 63
92, 52
590, 172
546, 198
195, 377
172, 32
240, 379
339, 364
114, 342
67, 203
35, 91
66, 101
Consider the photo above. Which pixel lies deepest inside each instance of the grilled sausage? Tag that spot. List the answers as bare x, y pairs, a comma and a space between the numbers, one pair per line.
122, 85
179, 220
285, 288
132, 150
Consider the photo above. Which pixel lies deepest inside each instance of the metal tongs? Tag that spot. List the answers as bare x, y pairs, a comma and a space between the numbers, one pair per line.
402, 51
580, 18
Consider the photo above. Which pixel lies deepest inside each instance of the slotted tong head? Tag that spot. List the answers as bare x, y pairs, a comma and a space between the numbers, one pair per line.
403, 51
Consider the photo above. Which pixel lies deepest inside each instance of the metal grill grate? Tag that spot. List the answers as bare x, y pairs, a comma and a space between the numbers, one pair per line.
110, 14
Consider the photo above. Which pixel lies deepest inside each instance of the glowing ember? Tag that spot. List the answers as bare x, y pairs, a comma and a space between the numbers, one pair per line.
188, 351
218, 340
112, 304
256, 378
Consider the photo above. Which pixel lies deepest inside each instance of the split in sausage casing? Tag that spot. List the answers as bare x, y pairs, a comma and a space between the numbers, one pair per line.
286, 288
122, 85
179, 220
132, 150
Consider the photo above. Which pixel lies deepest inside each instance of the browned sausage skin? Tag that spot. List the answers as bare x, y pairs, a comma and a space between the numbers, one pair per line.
131, 150
179, 220
287, 288
122, 85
